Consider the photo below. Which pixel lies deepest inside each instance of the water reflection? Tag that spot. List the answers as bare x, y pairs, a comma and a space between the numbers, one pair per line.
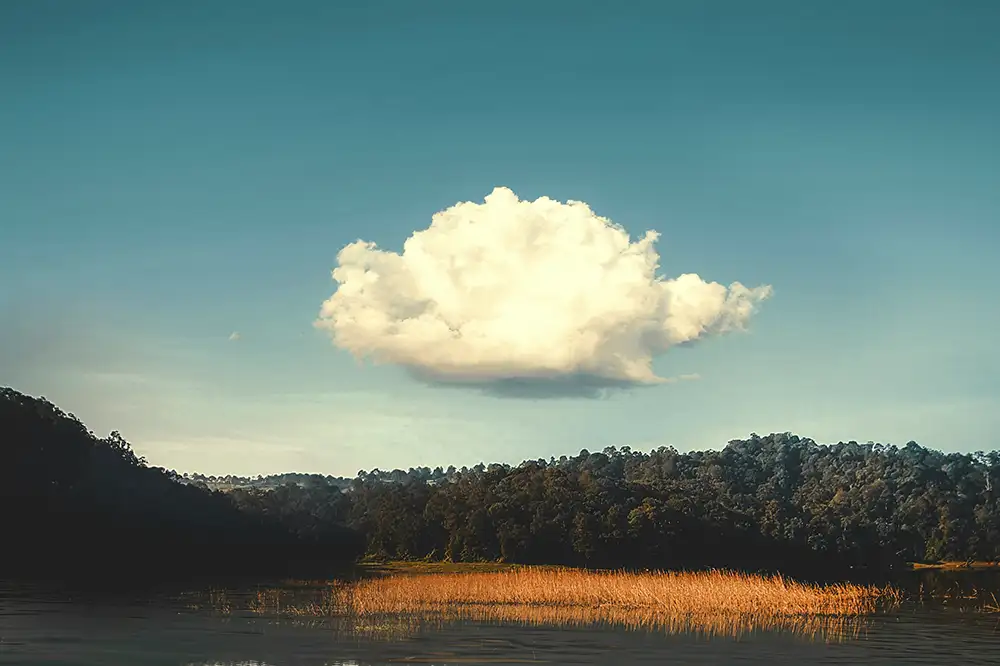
187, 630
329, 607
314, 609
260, 663
391, 628
707, 604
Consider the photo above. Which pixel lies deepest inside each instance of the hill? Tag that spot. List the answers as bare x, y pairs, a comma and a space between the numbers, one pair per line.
73, 503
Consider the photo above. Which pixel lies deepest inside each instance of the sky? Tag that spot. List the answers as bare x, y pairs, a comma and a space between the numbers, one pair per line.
261, 237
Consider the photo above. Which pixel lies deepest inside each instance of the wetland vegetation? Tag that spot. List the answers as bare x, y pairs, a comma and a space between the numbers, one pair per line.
714, 602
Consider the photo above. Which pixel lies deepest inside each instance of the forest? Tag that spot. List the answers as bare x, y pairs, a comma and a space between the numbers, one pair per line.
777, 502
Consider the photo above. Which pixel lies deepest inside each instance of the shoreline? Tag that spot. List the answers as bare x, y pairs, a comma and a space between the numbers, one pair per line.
953, 566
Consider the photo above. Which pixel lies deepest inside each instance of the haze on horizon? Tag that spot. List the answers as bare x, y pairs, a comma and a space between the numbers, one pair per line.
259, 238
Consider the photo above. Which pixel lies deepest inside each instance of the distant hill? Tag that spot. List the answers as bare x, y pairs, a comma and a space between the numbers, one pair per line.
230, 482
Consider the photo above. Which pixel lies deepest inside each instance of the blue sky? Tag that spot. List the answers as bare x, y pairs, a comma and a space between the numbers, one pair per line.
174, 172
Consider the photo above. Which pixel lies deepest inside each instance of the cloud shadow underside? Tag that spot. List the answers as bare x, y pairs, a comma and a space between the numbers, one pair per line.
584, 386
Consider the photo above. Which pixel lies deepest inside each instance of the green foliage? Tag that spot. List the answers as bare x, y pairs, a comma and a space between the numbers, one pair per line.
768, 502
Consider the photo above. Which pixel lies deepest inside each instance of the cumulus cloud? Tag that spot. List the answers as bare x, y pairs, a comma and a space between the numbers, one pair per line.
514, 292
235, 335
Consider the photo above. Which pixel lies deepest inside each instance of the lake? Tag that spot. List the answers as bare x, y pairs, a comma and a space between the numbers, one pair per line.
211, 626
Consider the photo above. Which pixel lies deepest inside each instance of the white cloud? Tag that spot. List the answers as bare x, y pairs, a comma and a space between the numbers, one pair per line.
510, 289
235, 335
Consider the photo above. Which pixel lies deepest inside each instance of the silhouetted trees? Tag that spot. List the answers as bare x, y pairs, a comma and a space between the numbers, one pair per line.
74, 503
774, 502
270, 482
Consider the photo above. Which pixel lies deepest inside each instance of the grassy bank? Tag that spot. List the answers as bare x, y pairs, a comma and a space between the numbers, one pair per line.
951, 566
379, 569
423, 567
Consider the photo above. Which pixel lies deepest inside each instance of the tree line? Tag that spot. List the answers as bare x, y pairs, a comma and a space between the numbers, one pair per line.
268, 482
778, 502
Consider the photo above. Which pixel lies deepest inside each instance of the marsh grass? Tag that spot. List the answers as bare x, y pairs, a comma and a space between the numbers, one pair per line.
644, 619
673, 593
711, 603
267, 601
219, 600
955, 565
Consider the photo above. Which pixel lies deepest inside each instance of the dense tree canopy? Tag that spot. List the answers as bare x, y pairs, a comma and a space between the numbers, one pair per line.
774, 502
70, 501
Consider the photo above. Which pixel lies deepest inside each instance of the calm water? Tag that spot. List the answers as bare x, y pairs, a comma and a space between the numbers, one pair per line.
40, 627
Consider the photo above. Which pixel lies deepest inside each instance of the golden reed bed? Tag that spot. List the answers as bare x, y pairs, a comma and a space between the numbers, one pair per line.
682, 593
709, 603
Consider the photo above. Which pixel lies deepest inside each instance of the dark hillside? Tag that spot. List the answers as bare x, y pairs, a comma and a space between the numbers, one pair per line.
73, 503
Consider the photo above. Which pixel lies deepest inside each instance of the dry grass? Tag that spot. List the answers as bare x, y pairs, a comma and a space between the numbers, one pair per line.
709, 603
674, 594
267, 601
636, 619
219, 600
955, 565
